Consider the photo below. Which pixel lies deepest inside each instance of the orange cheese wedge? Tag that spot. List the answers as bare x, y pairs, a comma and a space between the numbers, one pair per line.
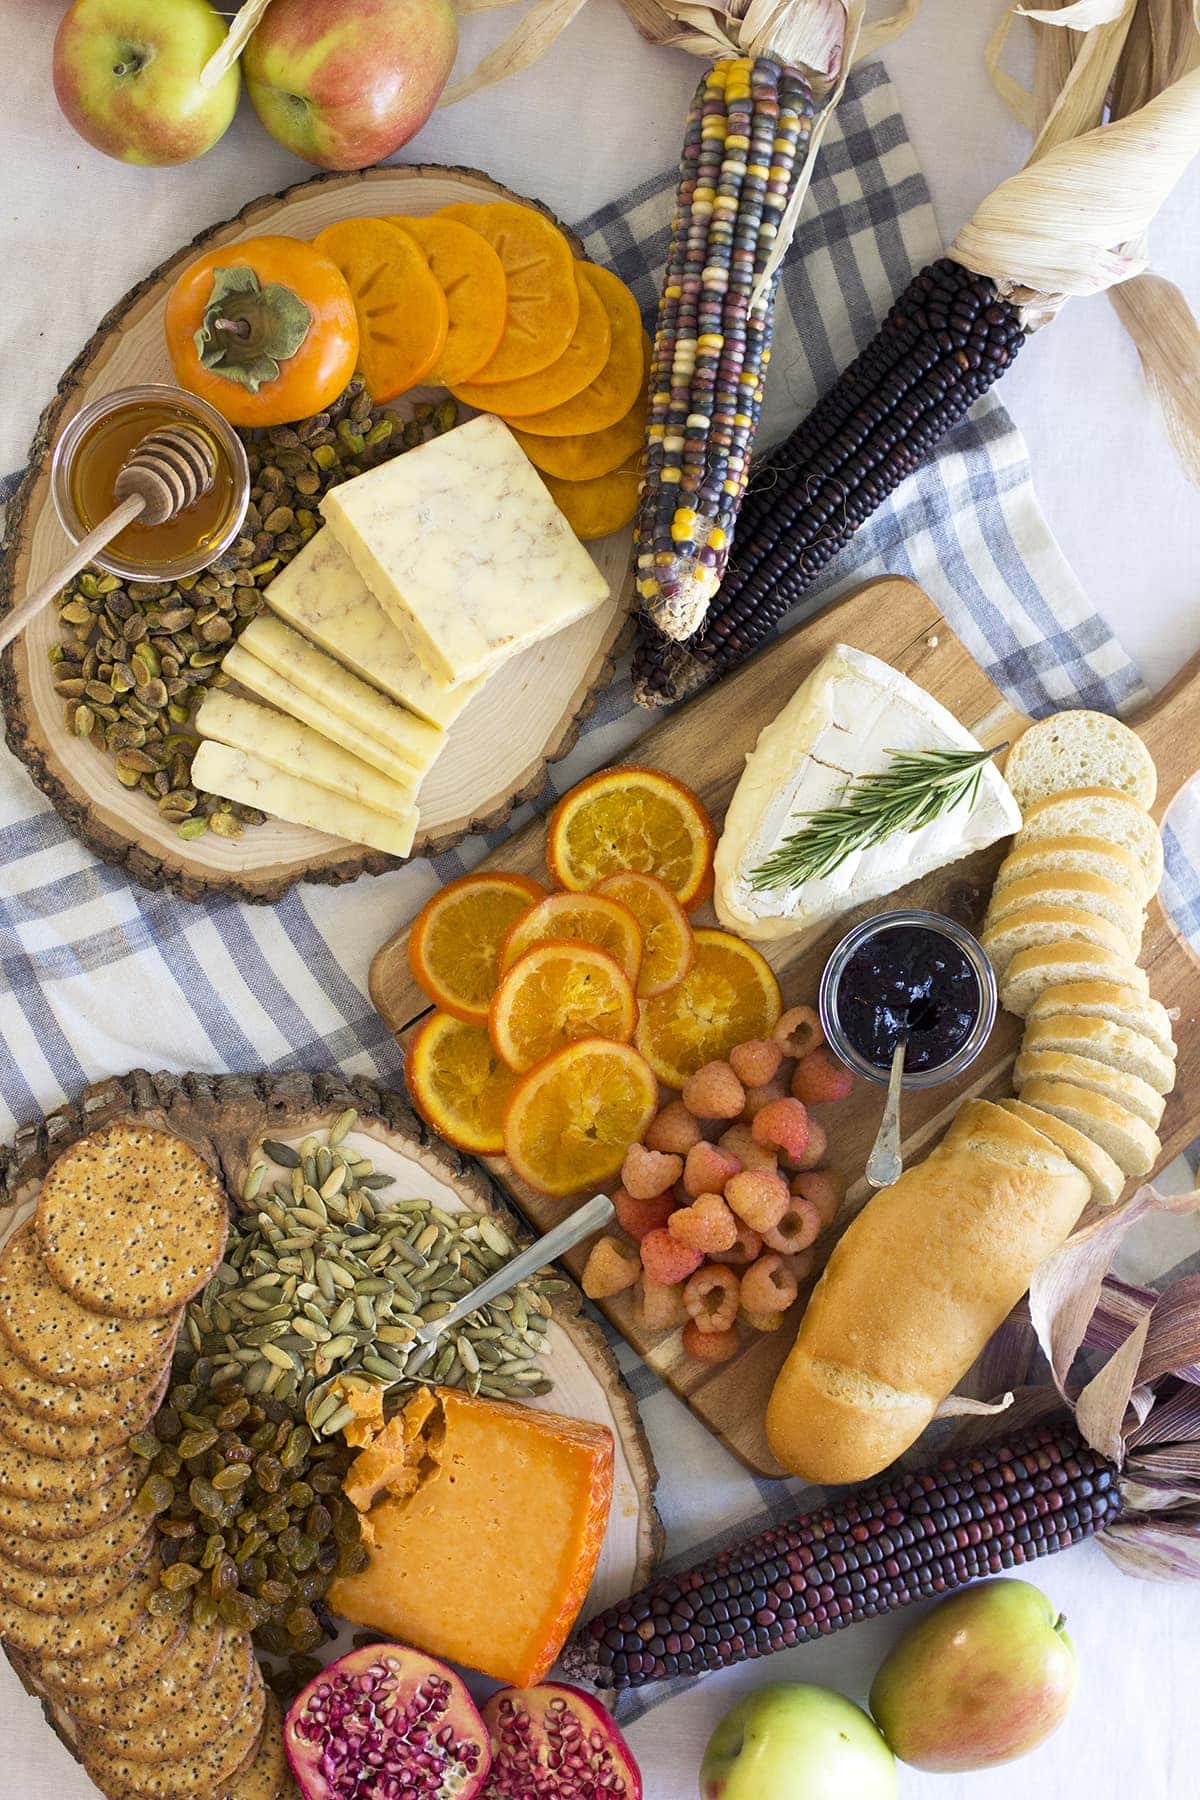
484, 1524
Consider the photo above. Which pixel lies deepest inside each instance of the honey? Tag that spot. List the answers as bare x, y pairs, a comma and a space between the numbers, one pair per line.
96, 462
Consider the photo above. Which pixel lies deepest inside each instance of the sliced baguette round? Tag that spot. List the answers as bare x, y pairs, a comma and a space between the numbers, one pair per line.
1132, 1052
1106, 1176
1087, 855
1080, 749
985, 1129
1077, 888
1032, 926
1126, 1138
1135, 1095
1129, 1006
1100, 813
1043, 966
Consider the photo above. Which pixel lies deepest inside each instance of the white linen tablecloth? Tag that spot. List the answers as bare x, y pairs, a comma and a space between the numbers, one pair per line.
602, 113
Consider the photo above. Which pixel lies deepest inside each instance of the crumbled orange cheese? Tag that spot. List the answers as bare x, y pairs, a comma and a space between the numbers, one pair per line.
368, 1410
484, 1523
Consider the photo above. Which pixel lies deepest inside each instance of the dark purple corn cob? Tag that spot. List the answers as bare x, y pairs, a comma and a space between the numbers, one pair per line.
906, 1537
945, 341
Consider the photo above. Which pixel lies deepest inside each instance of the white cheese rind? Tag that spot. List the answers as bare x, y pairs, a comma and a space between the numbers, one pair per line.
461, 540
843, 721
297, 749
322, 595
251, 781
283, 668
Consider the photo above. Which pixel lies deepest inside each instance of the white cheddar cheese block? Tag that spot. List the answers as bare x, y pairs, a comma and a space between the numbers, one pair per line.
299, 750
461, 541
251, 780
321, 593
844, 721
283, 668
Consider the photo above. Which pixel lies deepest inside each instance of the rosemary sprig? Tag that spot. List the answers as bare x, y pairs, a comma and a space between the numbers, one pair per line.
917, 787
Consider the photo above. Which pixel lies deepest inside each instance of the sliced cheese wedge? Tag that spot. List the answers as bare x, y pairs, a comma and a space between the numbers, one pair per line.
301, 680
462, 542
322, 594
239, 775
299, 750
846, 721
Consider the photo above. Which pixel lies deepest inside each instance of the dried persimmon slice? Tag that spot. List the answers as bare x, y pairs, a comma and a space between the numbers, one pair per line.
568, 374
471, 276
617, 386
543, 293
402, 313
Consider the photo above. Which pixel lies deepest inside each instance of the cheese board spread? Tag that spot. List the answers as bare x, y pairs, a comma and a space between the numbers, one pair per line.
893, 622
253, 1470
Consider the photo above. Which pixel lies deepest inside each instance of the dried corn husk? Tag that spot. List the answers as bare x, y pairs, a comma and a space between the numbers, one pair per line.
1111, 58
237, 38
1071, 222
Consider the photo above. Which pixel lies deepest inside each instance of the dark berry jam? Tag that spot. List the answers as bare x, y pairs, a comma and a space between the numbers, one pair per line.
908, 980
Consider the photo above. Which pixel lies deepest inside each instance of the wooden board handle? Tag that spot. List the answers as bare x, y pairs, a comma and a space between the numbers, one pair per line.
1168, 728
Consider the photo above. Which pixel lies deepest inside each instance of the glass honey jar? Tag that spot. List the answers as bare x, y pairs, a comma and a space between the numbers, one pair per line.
89, 456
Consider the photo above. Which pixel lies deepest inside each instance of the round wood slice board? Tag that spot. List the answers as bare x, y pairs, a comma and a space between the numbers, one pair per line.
227, 1116
527, 716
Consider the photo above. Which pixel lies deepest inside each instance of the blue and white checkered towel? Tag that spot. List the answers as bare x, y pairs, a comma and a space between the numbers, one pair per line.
100, 976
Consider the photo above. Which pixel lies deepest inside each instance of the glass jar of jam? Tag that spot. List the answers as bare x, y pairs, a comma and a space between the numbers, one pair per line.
910, 974
88, 458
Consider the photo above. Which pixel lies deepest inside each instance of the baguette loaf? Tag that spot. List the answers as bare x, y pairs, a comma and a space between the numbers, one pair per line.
911, 1294
1106, 1176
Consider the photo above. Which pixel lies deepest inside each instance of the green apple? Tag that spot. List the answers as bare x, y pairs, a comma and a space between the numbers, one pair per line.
127, 76
343, 83
983, 1678
790, 1741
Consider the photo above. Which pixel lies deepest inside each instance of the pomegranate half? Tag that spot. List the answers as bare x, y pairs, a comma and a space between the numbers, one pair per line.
387, 1723
555, 1742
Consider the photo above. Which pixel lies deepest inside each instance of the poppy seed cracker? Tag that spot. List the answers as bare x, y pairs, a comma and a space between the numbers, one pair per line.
132, 1221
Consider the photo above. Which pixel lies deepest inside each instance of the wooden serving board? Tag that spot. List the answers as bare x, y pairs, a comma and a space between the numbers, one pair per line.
227, 1116
705, 744
496, 754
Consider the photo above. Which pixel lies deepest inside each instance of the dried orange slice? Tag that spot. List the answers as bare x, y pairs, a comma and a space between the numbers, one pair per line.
668, 947
555, 994
580, 919
727, 996
454, 944
458, 1084
402, 312
573, 1116
632, 818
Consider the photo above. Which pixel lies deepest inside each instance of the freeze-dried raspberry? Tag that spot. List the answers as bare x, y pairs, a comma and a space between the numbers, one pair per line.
799, 1031
707, 1224
707, 1169
667, 1260
658, 1306
758, 1198
712, 1297
768, 1285
745, 1248
710, 1346
824, 1188
782, 1125
637, 1217
757, 1321
756, 1061
757, 1098
645, 1173
739, 1141
611, 1268
674, 1131
714, 1092
799, 1227
818, 1079
816, 1148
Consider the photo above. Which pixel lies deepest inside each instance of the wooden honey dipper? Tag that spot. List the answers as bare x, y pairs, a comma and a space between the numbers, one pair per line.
165, 473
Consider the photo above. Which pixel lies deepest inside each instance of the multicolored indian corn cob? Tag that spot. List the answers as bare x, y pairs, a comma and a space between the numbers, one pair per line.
746, 135
905, 1538
948, 337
